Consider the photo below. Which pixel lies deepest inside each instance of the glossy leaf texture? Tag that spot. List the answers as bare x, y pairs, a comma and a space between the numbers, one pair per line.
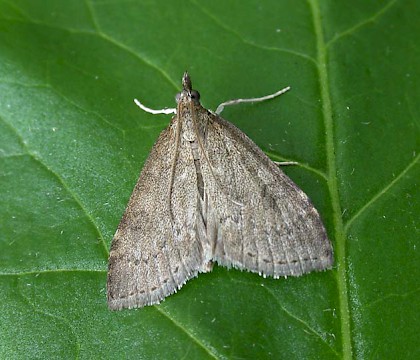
72, 144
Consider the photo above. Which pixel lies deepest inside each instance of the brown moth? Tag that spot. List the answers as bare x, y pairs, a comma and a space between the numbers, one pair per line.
208, 193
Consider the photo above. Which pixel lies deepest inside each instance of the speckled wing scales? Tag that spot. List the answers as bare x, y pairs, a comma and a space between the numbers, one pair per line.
154, 251
266, 223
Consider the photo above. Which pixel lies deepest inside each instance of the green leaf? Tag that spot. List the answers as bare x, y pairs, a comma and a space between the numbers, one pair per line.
72, 144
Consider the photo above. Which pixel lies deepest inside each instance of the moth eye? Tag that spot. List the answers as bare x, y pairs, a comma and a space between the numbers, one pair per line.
195, 95
177, 97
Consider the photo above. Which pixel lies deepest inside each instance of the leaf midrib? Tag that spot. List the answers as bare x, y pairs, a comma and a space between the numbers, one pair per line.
339, 233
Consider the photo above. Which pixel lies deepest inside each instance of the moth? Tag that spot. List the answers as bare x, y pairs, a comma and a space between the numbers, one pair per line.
208, 194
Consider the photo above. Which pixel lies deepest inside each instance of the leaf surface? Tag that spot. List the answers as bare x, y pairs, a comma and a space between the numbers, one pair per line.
72, 144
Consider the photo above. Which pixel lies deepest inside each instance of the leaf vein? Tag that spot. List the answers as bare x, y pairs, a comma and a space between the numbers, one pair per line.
251, 43
380, 193
372, 19
340, 239
210, 351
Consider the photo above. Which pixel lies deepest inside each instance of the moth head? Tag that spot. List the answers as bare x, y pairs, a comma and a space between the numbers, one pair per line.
187, 94
186, 82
